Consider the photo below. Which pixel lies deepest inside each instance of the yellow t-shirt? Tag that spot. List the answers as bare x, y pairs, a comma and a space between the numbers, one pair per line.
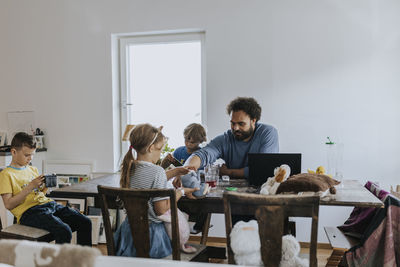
13, 180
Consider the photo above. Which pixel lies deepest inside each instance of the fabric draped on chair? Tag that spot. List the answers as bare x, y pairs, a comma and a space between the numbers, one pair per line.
379, 230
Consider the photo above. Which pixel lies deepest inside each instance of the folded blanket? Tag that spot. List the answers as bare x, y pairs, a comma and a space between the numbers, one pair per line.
29, 253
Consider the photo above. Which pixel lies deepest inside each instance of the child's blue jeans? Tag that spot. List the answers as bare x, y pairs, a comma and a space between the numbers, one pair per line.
60, 221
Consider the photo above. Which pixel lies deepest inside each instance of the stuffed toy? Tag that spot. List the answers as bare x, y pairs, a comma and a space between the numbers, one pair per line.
308, 182
290, 253
271, 185
245, 244
319, 170
184, 229
190, 180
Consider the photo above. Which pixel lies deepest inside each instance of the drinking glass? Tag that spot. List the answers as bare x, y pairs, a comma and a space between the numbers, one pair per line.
211, 175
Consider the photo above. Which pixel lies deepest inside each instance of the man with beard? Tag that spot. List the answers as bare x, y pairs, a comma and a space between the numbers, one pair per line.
246, 135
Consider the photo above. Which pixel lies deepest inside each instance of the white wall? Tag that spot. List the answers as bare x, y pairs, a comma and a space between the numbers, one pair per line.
318, 68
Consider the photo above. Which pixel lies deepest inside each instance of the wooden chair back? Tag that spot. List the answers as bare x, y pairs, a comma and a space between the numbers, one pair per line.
272, 213
135, 202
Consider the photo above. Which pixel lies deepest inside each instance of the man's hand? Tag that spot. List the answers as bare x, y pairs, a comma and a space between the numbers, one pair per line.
189, 192
223, 170
232, 173
193, 162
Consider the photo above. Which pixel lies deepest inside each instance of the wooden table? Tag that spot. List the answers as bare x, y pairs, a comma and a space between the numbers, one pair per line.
351, 193
85, 189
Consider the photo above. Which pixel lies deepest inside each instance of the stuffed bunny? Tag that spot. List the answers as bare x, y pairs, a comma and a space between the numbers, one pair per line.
245, 244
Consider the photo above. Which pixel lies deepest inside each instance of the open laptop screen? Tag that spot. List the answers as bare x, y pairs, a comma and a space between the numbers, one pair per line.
262, 165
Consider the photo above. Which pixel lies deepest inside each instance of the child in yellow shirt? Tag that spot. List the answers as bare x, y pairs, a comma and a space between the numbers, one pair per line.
23, 193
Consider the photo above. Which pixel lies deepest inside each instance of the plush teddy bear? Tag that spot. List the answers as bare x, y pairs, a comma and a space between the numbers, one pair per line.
271, 185
245, 244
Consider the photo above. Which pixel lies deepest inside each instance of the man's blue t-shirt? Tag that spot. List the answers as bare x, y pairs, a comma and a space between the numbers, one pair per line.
181, 154
234, 152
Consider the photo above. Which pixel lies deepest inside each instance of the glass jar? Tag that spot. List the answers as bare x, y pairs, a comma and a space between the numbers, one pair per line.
335, 160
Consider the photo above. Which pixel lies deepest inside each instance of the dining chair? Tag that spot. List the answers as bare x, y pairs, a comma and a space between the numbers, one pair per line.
135, 202
272, 213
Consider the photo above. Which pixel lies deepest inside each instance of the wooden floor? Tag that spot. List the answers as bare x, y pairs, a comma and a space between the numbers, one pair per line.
322, 255
323, 252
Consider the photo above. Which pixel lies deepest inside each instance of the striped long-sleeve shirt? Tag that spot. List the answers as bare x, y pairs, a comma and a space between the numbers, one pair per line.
146, 175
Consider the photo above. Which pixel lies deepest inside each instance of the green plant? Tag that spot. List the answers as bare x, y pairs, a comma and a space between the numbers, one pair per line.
329, 142
167, 149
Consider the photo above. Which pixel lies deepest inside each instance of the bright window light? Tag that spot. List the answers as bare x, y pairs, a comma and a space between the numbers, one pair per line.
165, 86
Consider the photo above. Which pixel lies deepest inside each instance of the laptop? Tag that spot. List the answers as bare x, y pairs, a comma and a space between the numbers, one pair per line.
262, 165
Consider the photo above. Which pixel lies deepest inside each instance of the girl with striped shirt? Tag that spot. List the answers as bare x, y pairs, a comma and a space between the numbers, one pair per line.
140, 172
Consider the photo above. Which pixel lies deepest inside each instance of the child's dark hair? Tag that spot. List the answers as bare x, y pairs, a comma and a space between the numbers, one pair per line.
22, 139
195, 132
141, 138
246, 104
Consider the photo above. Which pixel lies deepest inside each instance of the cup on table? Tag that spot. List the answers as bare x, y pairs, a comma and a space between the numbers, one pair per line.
211, 173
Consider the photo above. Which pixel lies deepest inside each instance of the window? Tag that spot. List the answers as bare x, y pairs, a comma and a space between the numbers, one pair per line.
162, 81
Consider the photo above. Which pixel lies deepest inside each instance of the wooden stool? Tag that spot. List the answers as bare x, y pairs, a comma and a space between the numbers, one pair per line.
340, 244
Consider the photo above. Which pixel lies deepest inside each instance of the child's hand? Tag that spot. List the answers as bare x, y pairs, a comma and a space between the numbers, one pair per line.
178, 171
189, 192
182, 170
191, 168
177, 182
37, 182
